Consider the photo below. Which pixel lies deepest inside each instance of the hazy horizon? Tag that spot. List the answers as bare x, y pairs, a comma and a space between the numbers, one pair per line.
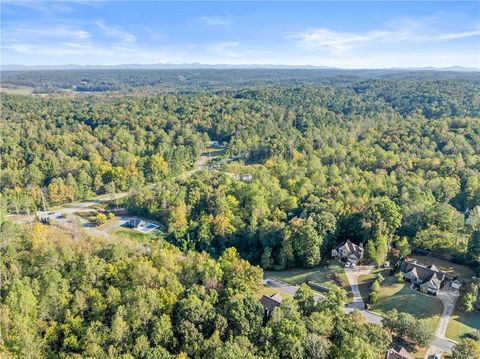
346, 35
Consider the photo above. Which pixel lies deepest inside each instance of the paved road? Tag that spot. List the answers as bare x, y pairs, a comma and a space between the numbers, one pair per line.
65, 217
440, 343
292, 289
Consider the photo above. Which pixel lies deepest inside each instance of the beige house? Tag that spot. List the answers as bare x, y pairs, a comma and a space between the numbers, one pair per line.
428, 278
348, 252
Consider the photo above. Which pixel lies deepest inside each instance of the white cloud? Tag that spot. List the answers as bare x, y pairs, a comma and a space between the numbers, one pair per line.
115, 32
215, 20
338, 41
19, 33
91, 53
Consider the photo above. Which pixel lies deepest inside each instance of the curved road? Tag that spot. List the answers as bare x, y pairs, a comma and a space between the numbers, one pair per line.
439, 344
292, 289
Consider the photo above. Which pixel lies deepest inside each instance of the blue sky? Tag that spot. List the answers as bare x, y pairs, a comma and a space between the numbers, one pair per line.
356, 34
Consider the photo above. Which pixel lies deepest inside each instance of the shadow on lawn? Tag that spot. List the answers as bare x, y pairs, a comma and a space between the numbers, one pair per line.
419, 306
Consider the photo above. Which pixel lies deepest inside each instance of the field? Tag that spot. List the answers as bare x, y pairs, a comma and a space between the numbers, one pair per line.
449, 268
462, 324
318, 275
400, 296
20, 90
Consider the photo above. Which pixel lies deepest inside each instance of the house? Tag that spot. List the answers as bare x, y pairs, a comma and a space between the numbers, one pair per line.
349, 252
428, 278
215, 144
270, 303
246, 177
397, 353
135, 223
456, 283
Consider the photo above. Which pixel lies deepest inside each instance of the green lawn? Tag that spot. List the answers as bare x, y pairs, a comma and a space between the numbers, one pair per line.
447, 267
400, 296
131, 234
318, 275
462, 324
366, 280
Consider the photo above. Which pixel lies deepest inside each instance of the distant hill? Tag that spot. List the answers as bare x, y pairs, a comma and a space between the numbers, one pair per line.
160, 66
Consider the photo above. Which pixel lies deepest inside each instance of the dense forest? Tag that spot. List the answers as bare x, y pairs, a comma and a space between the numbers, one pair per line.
99, 299
310, 159
373, 160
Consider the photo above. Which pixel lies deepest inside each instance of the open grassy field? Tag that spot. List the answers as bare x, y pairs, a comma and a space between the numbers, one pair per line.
318, 275
462, 324
400, 296
447, 267
20, 90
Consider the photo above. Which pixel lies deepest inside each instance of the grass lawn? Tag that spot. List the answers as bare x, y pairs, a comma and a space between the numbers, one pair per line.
462, 324
420, 353
366, 280
400, 296
131, 234
318, 275
447, 267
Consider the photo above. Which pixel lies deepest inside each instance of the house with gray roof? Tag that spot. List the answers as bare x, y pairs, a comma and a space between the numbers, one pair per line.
348, 252
269, 303
428, 278
397, 353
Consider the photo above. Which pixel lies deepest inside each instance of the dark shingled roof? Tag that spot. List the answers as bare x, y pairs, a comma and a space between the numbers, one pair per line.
397, 353
270, 302
430, 276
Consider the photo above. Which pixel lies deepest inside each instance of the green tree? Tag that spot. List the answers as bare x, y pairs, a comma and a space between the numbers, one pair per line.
305, 299
466, 349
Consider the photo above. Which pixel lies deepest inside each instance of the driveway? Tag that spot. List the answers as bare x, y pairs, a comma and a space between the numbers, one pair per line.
441, 344
352, 276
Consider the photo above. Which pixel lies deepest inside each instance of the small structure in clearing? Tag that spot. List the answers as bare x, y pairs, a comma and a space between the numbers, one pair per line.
140, 225
270, 302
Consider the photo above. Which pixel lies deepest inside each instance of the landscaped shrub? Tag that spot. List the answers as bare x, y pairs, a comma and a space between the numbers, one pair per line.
379, 277
399, 277
375, 286
373, 297
100, 219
